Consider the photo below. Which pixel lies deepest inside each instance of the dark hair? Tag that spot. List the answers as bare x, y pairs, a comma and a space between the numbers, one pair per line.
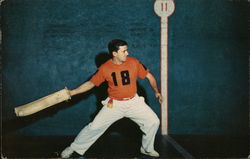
115, 44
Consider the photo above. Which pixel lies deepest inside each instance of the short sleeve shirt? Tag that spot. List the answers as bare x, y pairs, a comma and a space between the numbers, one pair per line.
121, 78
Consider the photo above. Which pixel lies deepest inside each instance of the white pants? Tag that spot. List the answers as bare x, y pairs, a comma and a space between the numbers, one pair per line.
136, 109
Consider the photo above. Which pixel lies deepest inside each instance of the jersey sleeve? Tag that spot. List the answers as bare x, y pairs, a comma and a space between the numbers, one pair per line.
98, 78
142, 70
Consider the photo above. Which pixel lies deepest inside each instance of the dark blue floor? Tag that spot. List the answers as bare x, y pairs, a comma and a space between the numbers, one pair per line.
173, 146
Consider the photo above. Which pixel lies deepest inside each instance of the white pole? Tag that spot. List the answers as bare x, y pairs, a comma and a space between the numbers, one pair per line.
164, 8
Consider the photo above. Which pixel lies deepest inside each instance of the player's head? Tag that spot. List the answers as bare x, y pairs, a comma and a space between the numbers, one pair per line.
118, 50
114, 45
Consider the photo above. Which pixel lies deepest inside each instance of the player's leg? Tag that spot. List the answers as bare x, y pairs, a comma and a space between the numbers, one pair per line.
90, 133
148, 121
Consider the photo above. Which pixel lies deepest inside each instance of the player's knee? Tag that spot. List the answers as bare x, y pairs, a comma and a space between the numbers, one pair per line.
154, 122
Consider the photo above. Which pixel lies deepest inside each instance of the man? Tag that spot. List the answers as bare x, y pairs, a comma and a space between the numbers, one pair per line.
121, 73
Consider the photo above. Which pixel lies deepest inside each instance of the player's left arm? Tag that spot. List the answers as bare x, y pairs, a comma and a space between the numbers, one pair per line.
153, 84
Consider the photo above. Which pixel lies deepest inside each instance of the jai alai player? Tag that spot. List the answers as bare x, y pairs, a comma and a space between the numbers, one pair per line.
121, 73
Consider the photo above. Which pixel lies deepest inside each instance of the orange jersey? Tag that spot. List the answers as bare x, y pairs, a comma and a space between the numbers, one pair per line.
121, 78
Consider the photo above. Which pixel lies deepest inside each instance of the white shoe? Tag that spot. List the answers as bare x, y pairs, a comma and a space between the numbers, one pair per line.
152, 153
67, 152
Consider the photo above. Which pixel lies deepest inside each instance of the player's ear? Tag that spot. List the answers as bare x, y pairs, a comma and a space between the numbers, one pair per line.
114, 53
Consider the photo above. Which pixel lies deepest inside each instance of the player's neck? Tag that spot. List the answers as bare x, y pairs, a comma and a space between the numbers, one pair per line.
116, 61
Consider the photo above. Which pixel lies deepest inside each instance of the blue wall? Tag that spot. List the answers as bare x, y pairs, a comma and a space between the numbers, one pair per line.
50, 44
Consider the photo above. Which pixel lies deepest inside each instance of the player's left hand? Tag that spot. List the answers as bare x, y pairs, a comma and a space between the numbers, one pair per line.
158, 95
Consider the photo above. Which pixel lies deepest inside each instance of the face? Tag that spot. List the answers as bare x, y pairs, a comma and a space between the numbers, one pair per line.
121, 55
